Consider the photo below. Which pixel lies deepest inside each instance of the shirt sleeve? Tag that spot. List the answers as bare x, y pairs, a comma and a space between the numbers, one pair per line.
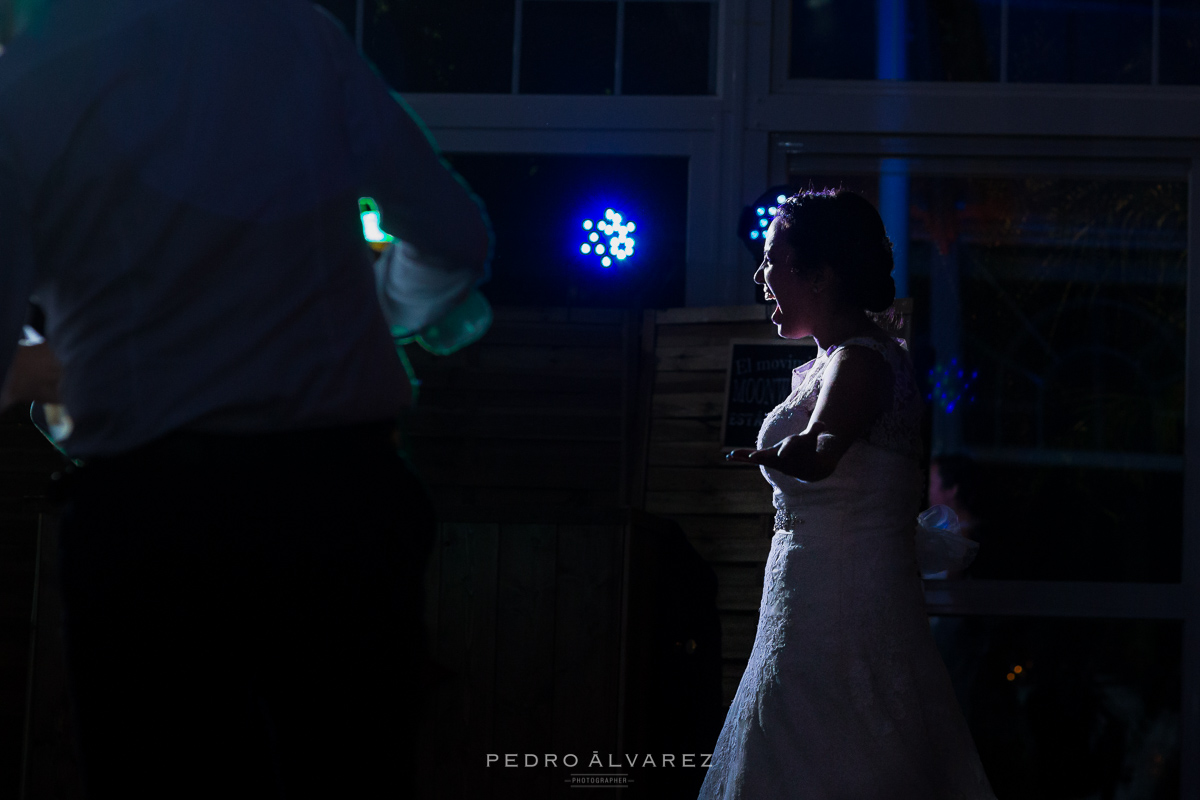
422, 202
16, 258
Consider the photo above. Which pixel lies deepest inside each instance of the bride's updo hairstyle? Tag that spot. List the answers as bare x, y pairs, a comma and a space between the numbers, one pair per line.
842, 229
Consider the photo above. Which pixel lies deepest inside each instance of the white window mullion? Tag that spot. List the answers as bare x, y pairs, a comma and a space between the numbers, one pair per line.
1189, 746
619, 66
518, 21
1156, 15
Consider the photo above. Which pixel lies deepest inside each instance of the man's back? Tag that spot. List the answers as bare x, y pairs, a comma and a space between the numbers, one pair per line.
184, 176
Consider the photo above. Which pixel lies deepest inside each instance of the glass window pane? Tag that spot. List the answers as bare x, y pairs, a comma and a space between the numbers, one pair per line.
954, 41
941, 40
832, 39
568, 48
1069, 707
1179, 42
1061, 301
1064, 41
538, 204
667, 48
447, 46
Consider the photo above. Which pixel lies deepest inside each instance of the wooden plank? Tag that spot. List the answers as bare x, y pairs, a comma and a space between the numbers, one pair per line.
479, 398
745, 526
731, 676
521, 382
737, 634
729, 539
487, 359
730, 478
716, 333
517, 463
596, 316
631, 406
638, 431
465, 650
739, 586
757, 502
688, 405
688, 454
677, 316
558, 334
732, 550
686, 430
706, 381
556, 424
587, 638
502, 315
490, 503
692, 359
525, 621
591, 316
564, 360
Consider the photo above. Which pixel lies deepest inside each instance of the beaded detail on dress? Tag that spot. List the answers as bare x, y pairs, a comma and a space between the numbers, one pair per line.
898, 429
787, 519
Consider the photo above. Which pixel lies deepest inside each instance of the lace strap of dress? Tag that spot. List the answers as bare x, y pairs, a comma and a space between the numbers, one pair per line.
899, 427
888, 349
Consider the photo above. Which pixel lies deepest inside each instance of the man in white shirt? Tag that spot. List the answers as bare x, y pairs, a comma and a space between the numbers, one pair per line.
242, 549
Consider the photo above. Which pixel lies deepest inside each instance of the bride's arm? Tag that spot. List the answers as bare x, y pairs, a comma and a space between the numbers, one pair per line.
856, 388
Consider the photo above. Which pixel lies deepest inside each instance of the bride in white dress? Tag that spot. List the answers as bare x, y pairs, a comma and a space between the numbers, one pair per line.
845, 695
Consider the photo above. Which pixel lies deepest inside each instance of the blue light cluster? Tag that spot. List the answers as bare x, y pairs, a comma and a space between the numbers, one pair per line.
951, 386
614, 230
764, 213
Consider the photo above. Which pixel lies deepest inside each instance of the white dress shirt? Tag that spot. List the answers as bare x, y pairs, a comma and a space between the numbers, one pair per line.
178, 191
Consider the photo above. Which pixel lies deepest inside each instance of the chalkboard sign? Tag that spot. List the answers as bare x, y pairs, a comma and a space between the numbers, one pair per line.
760, 378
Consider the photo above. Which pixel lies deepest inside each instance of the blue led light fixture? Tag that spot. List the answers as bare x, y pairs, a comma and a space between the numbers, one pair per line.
608, 239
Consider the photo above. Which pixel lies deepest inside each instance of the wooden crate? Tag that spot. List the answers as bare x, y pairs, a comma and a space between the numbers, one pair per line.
725, 509
526, 632
543, 605
559, 638
530, 422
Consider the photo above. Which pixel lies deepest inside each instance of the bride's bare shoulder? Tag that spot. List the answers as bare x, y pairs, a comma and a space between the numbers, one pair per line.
857, 387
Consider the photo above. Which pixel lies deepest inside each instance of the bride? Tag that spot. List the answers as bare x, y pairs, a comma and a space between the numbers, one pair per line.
845, 694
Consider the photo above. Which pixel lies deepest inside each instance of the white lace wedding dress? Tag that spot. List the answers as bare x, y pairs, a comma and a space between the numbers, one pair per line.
845, 695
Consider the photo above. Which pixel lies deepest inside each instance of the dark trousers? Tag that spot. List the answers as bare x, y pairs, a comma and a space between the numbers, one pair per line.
243, 616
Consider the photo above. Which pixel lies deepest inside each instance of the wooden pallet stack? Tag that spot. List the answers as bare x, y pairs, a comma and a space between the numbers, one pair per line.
528, 423
725, 509
521, 440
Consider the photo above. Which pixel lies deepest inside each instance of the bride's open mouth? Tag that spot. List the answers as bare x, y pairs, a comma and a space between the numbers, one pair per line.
776, 313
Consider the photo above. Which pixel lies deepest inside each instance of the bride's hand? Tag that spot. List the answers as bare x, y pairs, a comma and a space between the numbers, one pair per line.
857, 388
801, 455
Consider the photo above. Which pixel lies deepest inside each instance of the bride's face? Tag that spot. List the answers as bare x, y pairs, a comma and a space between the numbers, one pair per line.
794, 295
